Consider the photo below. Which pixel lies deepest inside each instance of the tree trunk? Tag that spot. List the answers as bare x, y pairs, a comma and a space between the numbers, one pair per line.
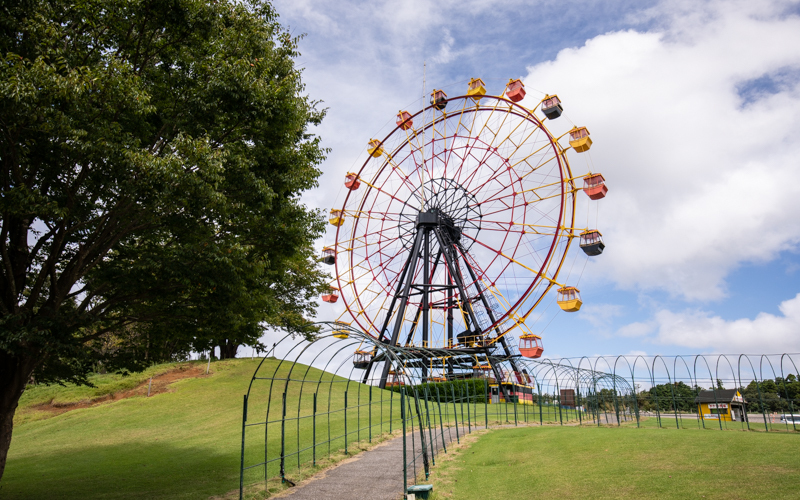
14, 374
227, 349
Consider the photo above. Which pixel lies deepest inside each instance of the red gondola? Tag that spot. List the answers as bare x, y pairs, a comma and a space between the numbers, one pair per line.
404, 120
530, 346
332, 296
515, 90
351, 181
594, 185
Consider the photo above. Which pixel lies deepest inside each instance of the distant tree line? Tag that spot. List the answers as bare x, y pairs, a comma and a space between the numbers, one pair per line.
769, 395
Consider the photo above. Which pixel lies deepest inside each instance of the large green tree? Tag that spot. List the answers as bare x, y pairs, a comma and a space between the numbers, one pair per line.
153, 153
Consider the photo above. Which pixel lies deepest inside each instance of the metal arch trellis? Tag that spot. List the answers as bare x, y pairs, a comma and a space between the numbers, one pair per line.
308, 405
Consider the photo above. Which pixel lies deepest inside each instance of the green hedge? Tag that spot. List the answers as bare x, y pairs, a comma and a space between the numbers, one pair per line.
475, 388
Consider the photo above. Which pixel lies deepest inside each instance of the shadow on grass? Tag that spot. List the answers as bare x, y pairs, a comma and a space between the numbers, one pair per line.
128, 471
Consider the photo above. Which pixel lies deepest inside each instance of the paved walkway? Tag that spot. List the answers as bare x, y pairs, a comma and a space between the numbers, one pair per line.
376, 474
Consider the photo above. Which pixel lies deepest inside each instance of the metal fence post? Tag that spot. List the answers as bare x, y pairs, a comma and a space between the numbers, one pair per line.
370, 414
441, 423
455, 411
345, 422
422, 444
761, 400
469, 419
486, 402
425, 393
241, 468
403, 418
541, 422
283, 436
314, 432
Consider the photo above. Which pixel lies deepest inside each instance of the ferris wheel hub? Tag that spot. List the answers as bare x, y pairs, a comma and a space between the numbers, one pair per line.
444, 203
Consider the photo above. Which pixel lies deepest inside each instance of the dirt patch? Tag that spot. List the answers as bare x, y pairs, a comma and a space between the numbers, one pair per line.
160, 383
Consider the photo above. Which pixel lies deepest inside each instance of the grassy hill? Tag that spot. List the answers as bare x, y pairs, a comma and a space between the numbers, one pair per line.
183, 443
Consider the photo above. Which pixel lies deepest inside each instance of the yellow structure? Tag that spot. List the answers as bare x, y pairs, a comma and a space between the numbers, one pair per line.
375, 150
336, 218
579, 139
727, 405
476, 89
569, 299
342, 333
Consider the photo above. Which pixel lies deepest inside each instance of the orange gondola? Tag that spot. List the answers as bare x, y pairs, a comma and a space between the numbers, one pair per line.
530, 346
332, 296
351, 181
395, 378
594, 185
404, 120
515, 90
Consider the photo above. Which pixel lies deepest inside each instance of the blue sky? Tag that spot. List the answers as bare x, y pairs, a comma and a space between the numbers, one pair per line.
694, 109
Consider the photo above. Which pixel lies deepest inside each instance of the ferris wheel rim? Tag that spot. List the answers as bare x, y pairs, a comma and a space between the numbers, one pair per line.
559, 153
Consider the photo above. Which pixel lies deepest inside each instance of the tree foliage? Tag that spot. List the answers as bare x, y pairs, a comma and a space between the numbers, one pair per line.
153, 156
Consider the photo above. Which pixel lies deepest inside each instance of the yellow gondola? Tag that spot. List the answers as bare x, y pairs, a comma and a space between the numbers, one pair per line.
336, 218
579, 139
569, 299
476, 89
341, 332
375, 150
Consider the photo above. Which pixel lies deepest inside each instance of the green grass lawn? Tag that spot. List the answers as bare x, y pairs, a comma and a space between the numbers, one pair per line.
608, 462
185, 443
180, 444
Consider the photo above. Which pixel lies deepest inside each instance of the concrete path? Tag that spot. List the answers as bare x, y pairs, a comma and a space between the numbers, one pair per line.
376, 474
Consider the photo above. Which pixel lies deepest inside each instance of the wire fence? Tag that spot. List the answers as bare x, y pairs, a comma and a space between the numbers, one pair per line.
312, 404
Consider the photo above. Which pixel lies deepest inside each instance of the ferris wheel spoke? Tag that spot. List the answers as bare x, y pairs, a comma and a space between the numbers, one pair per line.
501, 254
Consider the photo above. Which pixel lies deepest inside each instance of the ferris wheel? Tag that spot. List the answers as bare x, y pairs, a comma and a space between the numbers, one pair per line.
459, 222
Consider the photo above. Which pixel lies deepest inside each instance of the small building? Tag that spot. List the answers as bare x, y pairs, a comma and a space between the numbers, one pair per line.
568, 398
722, 404
519, 393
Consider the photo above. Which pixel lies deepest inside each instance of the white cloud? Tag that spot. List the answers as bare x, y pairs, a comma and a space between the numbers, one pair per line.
601, 315
767, 333
699, 182
636, 329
